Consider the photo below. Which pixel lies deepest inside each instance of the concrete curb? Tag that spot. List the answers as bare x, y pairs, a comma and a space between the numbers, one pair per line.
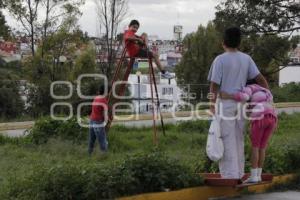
207, 192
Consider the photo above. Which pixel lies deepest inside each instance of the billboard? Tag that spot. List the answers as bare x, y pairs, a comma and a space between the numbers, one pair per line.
178, 29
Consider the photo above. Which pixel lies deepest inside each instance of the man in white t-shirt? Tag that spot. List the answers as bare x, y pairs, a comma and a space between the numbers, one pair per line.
229, 73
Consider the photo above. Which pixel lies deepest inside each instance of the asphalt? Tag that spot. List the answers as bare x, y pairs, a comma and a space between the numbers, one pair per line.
289, 195
139, 123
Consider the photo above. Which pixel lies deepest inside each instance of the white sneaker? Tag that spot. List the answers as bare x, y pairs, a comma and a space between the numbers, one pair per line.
259, 172
251, 179
259, 179
167, 75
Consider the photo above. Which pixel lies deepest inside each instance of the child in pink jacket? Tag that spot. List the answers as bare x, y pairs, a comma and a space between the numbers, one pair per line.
263, 123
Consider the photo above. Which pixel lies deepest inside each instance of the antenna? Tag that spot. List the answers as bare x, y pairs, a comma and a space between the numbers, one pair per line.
178, 28
178, 17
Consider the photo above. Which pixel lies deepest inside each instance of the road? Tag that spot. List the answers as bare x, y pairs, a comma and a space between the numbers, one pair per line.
290, 195
134, 123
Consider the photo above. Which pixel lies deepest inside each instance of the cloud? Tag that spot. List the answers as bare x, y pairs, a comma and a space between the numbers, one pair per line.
157, 17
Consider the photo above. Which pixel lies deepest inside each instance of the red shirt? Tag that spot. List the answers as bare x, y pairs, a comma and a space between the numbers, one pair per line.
131, 46
99, 105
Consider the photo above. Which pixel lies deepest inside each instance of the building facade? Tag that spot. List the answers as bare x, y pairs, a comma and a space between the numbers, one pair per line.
140, 90
291, 72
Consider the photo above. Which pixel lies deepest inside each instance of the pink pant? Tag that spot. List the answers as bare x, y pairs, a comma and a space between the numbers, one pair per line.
261, 130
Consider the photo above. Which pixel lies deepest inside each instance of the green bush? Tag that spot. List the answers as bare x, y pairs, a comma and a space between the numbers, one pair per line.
157, 172
11, 104
153, 172
206, 165
287, 93
141, 173
71, 130
59, 182
46, 128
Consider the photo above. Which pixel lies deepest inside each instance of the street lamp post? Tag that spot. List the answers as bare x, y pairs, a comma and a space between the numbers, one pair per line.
138, 74
62, 60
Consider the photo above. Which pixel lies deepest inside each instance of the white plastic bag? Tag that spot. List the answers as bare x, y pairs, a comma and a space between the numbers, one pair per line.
214, 145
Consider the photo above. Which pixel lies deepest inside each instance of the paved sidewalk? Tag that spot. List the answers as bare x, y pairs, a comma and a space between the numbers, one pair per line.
290, 195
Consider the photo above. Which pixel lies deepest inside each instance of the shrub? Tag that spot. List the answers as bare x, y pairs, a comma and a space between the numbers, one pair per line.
141, 173
11, 104
43, 129
138, 174
71, 130
46, 128
287, 93
156, 172
59, 182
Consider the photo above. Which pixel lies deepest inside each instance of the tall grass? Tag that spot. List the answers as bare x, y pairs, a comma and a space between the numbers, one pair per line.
48, 147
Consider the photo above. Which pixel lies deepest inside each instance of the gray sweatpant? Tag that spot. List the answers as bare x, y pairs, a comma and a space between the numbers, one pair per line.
232, 131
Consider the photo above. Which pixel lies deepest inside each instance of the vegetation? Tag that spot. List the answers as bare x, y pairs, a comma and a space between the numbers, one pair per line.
269, 52
136, 174
260, 21
268, 16
52, 161
202, 47
287, 93
55, 24
11, 104
4, 29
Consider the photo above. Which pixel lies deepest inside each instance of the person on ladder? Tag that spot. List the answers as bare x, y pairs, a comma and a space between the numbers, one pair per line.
137, 47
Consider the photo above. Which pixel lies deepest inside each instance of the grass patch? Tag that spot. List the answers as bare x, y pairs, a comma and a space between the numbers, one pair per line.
62, 146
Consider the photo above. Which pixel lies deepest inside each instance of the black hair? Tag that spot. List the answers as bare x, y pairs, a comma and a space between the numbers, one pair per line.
134, 22
232, 37
251, 81
101, 90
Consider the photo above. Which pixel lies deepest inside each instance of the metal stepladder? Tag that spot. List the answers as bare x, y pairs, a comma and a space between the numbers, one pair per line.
121, 74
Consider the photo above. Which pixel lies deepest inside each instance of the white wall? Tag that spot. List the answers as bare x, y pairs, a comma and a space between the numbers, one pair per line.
289, 74
171, 96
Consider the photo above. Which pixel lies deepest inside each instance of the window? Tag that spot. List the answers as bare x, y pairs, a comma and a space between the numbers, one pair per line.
167, 91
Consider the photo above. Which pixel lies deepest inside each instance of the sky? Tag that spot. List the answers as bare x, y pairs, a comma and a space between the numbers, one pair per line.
157, 17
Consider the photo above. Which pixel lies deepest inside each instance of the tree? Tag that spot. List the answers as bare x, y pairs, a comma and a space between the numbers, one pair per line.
11, 104
257, 16
263, 24
85, 63
41, 17
295, 40
110, 14
201, 49
269, 52
65, 42
4, 29
56, 13
25, 11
